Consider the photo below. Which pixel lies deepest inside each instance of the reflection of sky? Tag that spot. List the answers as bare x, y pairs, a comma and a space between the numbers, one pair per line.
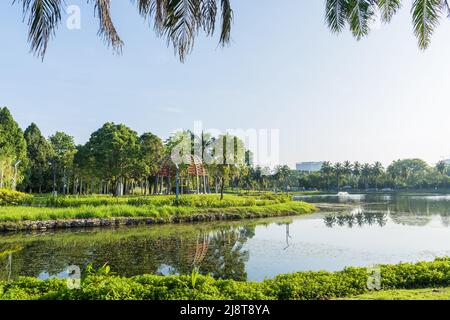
313, 246
333, 198
46, 275
165, 270
432, 197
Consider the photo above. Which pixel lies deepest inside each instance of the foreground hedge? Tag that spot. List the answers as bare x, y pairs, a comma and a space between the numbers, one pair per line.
13, 198
298, 286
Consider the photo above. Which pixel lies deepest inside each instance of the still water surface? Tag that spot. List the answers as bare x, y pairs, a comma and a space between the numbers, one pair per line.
376, 229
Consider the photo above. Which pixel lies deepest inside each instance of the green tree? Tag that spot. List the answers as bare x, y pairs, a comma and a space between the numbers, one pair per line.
441, 167
13, 150
228, 153
151, 151
356, 173
114, 149
282, 174
64, 151
409, 173
377, 171
347, 170
327, 171
338, 171
366, 171
84, 169
40, 153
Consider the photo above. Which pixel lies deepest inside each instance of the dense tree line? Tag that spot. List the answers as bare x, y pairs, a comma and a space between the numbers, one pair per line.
400, 174
116, 160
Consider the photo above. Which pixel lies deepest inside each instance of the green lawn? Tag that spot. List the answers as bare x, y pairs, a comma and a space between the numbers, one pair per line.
160, 209
418, 294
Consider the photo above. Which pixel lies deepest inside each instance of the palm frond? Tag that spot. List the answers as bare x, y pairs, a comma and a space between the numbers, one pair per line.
426, 14
107, 30
179, 21
43, 18
156, 10
335, 14
359, 14
181, 25
446, 7
388, 9
209, 13
227, 20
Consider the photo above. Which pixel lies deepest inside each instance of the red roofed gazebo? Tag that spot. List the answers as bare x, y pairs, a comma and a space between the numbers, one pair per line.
192, 170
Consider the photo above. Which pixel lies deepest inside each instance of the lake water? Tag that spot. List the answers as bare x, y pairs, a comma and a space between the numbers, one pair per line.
384, 228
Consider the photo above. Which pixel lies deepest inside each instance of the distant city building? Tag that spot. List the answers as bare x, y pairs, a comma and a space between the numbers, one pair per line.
309, 166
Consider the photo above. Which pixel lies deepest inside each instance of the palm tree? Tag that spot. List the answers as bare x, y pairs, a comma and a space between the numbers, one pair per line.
441, 167
347, 170
359, 14
365, 173
178, 21
327, 170
377, 170
282, 175
356, 173
338, 170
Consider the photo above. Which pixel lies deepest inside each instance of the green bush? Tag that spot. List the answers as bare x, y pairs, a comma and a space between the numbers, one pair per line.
13, 198
296, 286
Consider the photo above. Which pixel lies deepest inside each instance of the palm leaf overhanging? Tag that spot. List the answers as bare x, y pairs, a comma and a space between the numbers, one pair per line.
179, 21
358, 15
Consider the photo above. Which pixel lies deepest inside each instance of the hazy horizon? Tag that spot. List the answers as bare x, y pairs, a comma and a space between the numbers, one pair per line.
332, 98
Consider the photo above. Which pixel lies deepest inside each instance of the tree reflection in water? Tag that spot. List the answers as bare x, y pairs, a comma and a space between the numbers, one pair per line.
358, 217
217, 251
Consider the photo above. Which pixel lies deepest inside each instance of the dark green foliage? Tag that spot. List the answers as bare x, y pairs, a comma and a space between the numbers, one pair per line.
40, 153
115, 150
297, 286
13, 148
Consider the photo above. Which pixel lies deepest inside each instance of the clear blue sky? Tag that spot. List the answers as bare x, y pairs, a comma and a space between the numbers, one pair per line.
333, 98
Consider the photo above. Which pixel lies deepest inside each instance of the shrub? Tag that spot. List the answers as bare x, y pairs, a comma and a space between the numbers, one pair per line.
296, 286
13, 198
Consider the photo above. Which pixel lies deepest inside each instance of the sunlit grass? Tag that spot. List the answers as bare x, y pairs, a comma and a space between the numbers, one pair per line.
164, 212
417, 294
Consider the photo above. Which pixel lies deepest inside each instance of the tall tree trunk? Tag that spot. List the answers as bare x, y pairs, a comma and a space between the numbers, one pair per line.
222, 187
155, 186
216, 185
188, 184
182, 185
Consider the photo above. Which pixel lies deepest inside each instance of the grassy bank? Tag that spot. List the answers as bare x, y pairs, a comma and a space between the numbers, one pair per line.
152, 209
162, 213
196, 201
413, 294
351, 282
